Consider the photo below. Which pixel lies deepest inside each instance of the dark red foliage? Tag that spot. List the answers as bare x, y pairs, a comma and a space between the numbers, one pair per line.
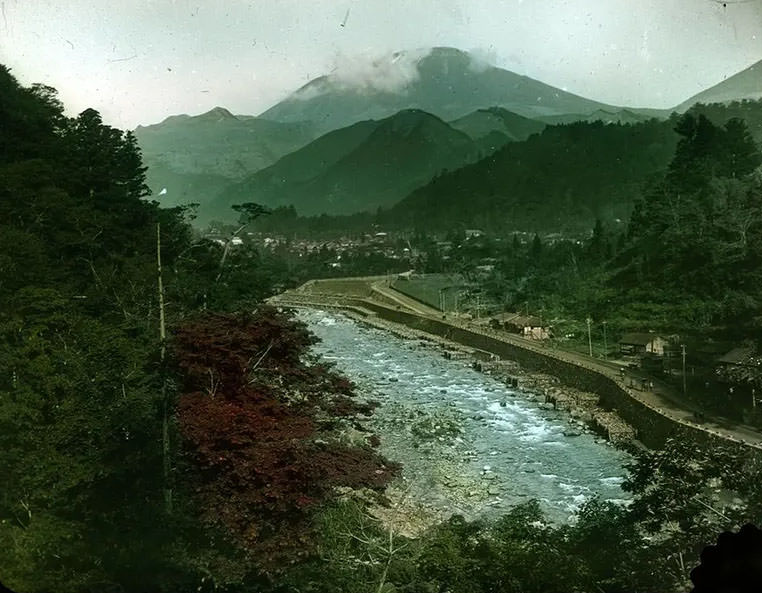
222, 350
260, 461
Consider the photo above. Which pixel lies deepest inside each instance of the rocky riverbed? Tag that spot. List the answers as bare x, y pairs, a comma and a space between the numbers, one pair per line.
470, 444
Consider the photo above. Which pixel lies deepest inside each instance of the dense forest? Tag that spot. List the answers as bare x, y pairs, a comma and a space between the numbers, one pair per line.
687, 261
216, 458
556, 180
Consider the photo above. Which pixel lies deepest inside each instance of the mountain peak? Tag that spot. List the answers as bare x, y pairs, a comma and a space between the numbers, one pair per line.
444, 81
217, 114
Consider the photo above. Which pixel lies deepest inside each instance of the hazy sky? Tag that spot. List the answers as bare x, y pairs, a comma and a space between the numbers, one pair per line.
138, 61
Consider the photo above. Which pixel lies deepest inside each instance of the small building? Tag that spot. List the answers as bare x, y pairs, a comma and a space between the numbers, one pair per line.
738, 357
525, 325
642, 343
473, 233
741, 365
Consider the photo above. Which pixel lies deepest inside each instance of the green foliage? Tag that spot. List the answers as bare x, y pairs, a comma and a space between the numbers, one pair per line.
560, 179
81, 399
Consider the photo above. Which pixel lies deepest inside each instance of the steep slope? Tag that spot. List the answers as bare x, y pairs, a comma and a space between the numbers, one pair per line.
192, 156
746, 84
358, 168
561, 179
446, 82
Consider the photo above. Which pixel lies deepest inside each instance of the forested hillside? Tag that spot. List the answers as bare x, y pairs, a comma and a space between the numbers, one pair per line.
560, 179
358, 168
130, 462
687, 262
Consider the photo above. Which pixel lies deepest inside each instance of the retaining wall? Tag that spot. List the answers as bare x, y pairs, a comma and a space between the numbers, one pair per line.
653, 428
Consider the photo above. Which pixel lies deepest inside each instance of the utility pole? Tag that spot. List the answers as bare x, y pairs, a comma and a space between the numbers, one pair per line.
165, 403
605, 345
589, 337
478, 305
682, 347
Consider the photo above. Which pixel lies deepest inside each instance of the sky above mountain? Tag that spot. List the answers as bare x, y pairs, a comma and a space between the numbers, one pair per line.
138, 61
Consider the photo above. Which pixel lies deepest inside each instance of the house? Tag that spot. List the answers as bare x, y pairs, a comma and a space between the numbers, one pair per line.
738, 357
524, 325
642, 343
529, 327
740, 365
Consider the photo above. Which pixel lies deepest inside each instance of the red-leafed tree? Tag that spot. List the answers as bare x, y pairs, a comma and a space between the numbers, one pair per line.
258, 418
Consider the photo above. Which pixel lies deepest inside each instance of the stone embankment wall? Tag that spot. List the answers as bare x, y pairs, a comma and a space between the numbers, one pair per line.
653, 428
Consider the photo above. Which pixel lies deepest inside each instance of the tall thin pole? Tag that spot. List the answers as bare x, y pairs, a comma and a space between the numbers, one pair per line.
165, 403
589, 338
682, 347
605, 345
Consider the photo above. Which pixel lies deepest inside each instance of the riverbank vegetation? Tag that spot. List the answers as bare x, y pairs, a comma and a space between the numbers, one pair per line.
217, 459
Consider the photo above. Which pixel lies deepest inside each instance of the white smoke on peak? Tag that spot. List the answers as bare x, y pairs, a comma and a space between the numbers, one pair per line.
391, 73
482, 59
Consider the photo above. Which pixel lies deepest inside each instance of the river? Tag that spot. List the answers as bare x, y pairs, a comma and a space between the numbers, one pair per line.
468, 443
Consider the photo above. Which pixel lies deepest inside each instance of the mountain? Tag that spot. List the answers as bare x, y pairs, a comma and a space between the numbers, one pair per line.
493, 127
561, 179
746, 84
443, 81
357, 168
195, 157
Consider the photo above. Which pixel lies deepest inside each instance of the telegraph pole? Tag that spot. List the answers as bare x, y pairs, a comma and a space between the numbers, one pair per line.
165, 445
605, 345
589, 338
682, 347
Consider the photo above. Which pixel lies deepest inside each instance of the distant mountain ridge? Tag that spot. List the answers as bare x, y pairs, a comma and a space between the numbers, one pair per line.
358, 168
746, 84
195, 157
445, 82
326, 145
